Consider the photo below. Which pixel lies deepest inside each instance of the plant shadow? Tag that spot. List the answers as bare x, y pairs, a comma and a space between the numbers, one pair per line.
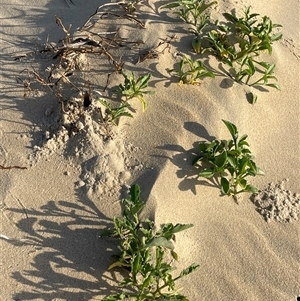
183, 159
68, 258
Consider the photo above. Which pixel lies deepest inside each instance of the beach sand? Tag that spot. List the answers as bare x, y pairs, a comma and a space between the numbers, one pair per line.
52, 212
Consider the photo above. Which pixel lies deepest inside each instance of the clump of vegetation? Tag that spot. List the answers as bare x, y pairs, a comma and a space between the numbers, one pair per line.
135, 87
237, 42
190, 72
112, 115
230, 162
192, 12
143, 251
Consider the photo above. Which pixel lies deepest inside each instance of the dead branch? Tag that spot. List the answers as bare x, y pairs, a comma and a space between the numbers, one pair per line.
11, 167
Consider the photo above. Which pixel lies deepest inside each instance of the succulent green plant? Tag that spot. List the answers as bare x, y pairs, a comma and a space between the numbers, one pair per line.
190, 72
192, 12
143, 252
239, 42
112, 115
135, 87
230, 161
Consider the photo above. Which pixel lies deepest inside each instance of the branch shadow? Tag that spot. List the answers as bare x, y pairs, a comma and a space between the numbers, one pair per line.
70, 258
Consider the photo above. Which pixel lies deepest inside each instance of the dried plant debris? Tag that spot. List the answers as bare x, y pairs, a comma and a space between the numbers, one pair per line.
277, 203
79, 54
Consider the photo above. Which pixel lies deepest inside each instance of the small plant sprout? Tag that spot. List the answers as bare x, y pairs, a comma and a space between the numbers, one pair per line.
190, 72
135, 88
112, 115
192, 12
229, 161
147, 255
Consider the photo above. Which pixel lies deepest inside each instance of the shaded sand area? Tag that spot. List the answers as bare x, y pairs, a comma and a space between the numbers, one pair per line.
53, 211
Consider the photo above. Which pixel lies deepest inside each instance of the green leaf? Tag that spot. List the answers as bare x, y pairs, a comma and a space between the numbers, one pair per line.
276, 37
143, 81
221, 159
252, 98
118, 264
244, 137
225, 185
203, 6
196, 159
276, 86
147, 280
135, 265
242, 183
203, 146
168, 230
232, 129
253, 15
160, 242
189, 270
243, 143
181, 227
206, 173
251, 188
271, 69
251, 67
232, 160
135, 193
115, 297
174, 255
230, 17
259, 171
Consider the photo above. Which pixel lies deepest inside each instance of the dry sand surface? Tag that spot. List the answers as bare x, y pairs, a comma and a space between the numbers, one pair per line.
53, 211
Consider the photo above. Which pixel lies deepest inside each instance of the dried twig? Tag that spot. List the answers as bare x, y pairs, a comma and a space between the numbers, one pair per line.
11, 167
153, 53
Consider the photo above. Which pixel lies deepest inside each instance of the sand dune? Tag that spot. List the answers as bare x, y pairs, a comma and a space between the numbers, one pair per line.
53, 211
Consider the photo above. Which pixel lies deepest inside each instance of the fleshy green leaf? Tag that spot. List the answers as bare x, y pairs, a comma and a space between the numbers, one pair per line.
225, 186
252, 98
206, 173
189, 270
276, 86
221, 159
251, 188
160, 242
196, 159
181, 227
232, 129
242, 183
174, 255
230, 17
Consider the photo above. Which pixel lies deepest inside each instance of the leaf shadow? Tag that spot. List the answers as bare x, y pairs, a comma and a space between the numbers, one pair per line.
68, 258
183, 158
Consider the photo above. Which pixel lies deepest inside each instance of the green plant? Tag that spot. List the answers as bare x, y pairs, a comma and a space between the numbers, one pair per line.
113, 114
230, 161
240, 41
253, 36
247, 69
190, 71
143, 252
192, 12
135, 88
